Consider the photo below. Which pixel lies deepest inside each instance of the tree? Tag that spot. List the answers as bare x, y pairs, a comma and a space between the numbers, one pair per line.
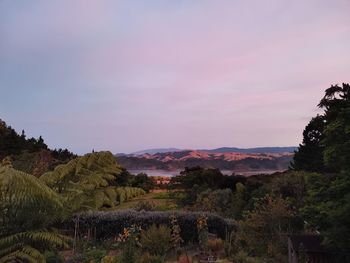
327, 206
263, 230
28, 208
309, 156
27, 154
86, 182
143, 181
217, 201
336, 104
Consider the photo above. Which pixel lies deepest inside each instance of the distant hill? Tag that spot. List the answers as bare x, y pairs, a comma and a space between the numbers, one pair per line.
154, 151
254, 150
290, 149
234, 159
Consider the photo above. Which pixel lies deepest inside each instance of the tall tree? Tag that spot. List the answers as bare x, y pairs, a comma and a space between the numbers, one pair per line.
336, 104
328, 196
309, 156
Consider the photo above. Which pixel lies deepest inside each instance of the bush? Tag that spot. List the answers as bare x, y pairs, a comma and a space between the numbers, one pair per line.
52, 257
94, 255
144, 206
148, 258
110, 223
109, 259
156, 240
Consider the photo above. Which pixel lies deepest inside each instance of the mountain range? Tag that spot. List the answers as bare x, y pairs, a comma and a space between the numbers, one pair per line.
225, 158
289, 149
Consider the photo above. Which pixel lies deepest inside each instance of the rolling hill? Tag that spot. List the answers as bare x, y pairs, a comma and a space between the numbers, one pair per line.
234, 159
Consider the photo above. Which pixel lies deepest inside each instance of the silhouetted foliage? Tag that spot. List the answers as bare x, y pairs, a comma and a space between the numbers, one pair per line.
327, 206
309, 156
30, 155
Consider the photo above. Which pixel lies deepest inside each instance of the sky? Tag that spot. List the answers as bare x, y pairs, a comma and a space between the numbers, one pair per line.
130, 75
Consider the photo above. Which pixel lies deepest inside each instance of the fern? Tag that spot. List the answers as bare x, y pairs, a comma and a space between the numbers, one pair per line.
86, 183
27, 209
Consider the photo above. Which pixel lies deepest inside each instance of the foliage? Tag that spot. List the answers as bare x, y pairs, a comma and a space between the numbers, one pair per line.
148, 258
52, 257
202, 228
29, 155
107, 224
143, 181
196, 180
156, 240
109, 259
87, 182
326, 139
263, 230
130, 241
327, 203
336, 104
217, 201
309, 156
144, 206
176, 239
94, 255
328, 207
27, 210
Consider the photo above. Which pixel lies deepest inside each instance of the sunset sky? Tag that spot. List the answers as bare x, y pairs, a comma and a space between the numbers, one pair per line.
130, 75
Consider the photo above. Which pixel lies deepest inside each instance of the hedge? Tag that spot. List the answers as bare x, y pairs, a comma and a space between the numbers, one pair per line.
107, 225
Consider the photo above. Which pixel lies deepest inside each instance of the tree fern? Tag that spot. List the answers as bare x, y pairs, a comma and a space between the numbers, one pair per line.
27, 210
85, 182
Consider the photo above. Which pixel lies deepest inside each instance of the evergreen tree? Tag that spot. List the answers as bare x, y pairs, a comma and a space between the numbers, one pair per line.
309, 156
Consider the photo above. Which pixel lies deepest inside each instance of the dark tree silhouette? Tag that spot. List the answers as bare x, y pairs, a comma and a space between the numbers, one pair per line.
309, 156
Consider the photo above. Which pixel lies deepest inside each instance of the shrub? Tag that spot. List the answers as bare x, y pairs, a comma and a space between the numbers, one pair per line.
176, 240
108, 224
156, 240
144, 206
52, 257
94, 255
202, 228
129, 241
148, 258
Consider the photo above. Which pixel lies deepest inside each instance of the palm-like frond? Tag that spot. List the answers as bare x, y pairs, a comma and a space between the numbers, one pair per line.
27, 207
90, 175
25, 254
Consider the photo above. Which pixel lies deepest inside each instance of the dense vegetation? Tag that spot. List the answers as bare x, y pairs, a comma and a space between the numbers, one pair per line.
29, 155
245, 219
30, 207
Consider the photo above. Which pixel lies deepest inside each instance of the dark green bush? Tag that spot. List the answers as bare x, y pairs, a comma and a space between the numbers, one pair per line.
156, 240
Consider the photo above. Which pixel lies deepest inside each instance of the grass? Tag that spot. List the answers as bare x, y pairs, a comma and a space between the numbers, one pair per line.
161, 200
